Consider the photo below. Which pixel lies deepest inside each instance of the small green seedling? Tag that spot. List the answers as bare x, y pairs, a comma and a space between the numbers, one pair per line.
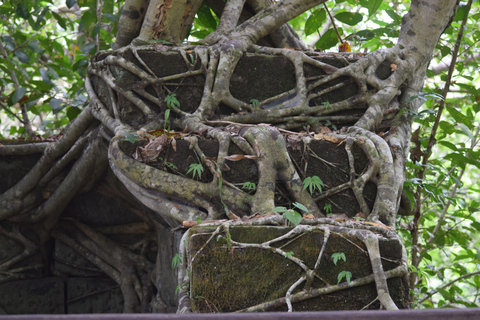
337, 256
313, 183
196, 169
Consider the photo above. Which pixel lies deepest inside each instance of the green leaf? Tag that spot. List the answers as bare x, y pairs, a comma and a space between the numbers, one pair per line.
346, 274
279, 209
45, 76
300, 206
328, 39
40, 18
349, 18
22, 56
448, 145
459, 117
293, 216
22, 10
18, 94
471, 89
337, 256
176, 261
447, 127
88, 48
196, 169
462, 12
70, 3
466, 131
131, 137
371, 5
315, 21
61, 20
172, 101
396, 18
112, 17
205, 17
56, 105
201, 34
73, 112
89, 19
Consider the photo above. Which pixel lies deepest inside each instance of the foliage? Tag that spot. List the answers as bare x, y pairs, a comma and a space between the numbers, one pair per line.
249, 185
328, 208
338, 256
313, 183
176, 261
346, 274
292, 215
196, 169
45, 47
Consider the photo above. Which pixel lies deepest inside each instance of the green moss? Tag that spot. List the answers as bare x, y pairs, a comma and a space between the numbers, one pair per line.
226, 278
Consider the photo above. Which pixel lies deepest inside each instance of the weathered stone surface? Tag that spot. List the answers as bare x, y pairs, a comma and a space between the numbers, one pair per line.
32, 296
229, 278
93, 295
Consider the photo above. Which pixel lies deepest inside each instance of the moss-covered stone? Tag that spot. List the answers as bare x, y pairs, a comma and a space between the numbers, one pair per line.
227, 278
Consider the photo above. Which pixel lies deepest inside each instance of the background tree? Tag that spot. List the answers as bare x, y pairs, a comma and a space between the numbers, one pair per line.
443, 225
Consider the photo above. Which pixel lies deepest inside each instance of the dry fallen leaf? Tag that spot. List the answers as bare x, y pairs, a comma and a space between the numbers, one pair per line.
237, 157
378, 225
151, 150
393, 67
344, 47
322, 136
308, 216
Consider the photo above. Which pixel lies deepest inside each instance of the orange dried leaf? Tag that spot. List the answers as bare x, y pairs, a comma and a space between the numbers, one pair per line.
237, 157
308, 216
393, 66
378, 225
321, 136
344, 47
325, 130
188, 224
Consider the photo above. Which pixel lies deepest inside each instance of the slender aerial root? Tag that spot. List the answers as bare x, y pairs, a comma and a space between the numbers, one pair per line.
23, 195
367, 234
132, 272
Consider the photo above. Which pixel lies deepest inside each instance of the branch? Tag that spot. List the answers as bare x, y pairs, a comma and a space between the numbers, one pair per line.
16, 84
449, 284
431, 142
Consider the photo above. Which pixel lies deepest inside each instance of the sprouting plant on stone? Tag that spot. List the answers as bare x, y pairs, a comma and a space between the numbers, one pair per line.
328, 123
177, 260
254, 102
249, 185
131, 137
198, 220
172, 101
292, 215
328, 208
313, 183
327, 104
171, 165
338, 256
288, 254
346, 274
196, 169
227, 238
166, 118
